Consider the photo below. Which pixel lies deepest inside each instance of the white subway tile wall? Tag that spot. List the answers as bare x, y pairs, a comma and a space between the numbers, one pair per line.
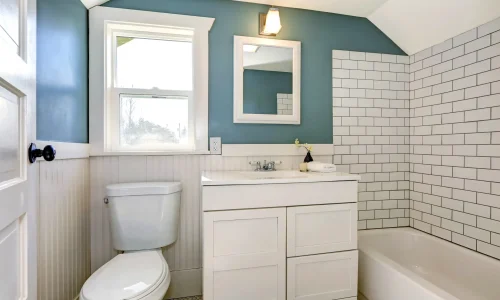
454, 147
371, 132
285, 104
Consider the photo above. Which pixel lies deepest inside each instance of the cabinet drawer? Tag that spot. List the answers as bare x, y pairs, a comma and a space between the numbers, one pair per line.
217, 198
323, 277
321, 229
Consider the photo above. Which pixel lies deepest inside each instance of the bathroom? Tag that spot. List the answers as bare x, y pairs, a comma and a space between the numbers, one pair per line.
396, 101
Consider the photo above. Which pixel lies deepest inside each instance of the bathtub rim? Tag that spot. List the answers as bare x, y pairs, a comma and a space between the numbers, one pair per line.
444, 242
373, 253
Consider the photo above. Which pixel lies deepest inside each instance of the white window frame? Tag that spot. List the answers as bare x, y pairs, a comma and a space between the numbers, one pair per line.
107, 23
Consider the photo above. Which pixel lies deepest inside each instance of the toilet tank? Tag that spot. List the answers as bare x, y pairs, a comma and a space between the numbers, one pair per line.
144, 215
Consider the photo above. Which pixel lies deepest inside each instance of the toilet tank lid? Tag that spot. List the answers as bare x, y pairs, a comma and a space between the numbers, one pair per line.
143, 189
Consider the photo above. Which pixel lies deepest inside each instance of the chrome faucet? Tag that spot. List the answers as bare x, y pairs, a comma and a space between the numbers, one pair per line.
265, 166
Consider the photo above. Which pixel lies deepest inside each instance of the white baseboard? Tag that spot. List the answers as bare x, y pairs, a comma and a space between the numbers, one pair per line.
185, 283
274, 150
66, 150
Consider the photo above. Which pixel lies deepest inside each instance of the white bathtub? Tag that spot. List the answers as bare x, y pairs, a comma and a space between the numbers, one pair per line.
406, 264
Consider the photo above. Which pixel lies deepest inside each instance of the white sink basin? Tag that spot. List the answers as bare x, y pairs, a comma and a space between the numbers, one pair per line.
274, 175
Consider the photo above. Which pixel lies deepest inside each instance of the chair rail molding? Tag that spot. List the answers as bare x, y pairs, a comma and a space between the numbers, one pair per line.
67, 150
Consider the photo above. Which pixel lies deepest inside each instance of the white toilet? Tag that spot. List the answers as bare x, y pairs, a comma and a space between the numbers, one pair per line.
144, 217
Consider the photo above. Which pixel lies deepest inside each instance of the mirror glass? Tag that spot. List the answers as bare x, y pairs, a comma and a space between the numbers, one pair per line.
267, 80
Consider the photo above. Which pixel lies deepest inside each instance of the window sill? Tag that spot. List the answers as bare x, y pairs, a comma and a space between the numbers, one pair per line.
150, 153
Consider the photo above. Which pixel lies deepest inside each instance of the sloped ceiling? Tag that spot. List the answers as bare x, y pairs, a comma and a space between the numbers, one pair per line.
92, 3
413, 25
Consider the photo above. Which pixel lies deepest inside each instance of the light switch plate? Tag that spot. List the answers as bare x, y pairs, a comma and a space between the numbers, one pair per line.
216, 145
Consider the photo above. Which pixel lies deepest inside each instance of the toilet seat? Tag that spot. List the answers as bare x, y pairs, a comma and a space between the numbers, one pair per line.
142, 275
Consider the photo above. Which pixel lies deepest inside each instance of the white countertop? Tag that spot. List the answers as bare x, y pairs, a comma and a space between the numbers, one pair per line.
286, 176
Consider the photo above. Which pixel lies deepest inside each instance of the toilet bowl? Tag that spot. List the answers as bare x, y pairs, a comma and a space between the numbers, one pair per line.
144, 217
138, 275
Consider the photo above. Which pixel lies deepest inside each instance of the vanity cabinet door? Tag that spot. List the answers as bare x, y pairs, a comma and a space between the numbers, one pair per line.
244, 255
323, 277
321, 229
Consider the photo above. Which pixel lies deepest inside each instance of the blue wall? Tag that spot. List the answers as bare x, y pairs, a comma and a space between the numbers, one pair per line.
261, 88
319, 34
62, 71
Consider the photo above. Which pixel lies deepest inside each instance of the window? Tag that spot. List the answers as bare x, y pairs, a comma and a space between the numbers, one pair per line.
151, 95
151, 89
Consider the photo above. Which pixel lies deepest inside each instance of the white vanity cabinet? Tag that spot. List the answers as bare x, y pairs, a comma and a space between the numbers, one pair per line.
299, 243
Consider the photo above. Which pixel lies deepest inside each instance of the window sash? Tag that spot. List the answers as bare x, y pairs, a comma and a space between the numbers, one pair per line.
140, 35
113, 120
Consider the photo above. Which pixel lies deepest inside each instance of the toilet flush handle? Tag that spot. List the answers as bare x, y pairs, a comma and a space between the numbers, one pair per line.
106, 200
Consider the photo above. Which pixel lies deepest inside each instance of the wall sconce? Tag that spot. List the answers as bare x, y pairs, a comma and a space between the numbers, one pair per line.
270, 23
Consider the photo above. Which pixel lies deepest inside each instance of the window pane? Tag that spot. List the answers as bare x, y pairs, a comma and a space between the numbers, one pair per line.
148, 63
153, 121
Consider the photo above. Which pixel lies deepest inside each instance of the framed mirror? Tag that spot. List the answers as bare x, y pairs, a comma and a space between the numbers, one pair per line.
266, 81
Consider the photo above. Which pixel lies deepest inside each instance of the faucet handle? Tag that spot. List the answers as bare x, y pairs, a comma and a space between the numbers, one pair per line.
275, 163
257, 165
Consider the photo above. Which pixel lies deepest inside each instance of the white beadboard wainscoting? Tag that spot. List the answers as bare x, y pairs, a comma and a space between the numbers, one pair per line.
64, 228
184, 257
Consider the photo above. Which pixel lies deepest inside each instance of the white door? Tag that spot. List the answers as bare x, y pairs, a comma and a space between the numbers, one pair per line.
18, 229
244, 254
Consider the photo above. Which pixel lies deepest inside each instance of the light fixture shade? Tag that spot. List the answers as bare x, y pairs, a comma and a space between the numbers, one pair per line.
273, 22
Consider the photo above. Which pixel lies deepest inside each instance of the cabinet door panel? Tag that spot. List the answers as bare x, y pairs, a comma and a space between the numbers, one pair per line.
244, 254
323, 277
321, 229
246, 284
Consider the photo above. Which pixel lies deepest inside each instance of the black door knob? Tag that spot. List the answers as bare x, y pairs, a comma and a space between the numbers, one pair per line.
48, 153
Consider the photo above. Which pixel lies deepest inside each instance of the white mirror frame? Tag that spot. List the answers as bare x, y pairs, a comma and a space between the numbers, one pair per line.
239, 116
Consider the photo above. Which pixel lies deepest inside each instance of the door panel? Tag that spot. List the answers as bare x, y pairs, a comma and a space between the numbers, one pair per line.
323, 277
11, 258
246, 284
244, 254
10, 24
18, 190
10, 169
321, 229
261, 236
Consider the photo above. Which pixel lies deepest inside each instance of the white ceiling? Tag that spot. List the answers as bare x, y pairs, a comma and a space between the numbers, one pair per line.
360, 8
416, 25
413, 25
